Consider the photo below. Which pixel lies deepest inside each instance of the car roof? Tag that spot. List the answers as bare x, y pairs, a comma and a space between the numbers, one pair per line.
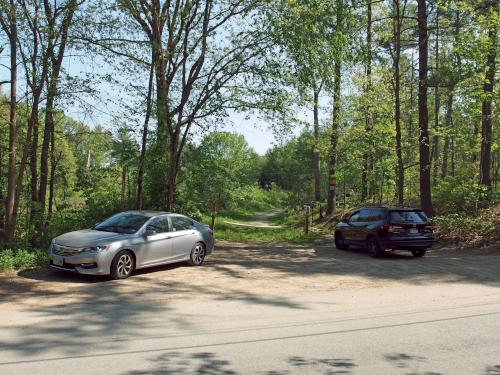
391, 208
148, 213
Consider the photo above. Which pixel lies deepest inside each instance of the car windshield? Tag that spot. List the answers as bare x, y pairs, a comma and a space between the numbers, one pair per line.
122, 223
413, 217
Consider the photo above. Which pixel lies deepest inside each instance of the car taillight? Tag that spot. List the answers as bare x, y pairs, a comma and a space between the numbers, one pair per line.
393, 229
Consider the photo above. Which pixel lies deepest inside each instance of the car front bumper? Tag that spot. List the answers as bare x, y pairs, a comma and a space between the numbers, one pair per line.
84, 263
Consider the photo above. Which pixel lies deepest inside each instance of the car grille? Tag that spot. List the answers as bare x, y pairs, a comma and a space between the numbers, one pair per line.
66, 250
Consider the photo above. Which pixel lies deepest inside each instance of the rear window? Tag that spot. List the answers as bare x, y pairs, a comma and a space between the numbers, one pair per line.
413, 217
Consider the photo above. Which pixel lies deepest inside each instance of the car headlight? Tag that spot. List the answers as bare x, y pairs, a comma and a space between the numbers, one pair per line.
95, 249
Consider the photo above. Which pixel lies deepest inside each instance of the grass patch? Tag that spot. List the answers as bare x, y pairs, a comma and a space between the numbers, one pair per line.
21, 258
235, 233
291, 232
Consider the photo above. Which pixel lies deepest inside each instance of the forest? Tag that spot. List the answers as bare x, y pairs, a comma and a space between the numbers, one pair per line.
370, 101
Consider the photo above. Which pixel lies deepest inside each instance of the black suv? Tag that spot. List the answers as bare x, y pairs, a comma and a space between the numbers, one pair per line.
380, 228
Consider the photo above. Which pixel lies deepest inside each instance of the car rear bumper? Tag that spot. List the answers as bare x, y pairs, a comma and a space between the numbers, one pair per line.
408, 243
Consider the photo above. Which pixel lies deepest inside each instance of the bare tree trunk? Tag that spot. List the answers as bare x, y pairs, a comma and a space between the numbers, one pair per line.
172, 174
446, 146
122, 196
317, 166
368, 112
332, 185
437, 105
53, 168
486, 128
142, 158
397, 99
423, 113
56, 61
11, 31
330, 207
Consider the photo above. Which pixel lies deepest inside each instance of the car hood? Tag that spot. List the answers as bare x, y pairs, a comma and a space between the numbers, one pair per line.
88, 238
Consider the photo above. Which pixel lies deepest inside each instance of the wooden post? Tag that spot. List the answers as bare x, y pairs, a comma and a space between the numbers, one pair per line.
307, 210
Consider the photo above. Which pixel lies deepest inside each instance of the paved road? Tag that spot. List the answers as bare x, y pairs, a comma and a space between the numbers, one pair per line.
261, 309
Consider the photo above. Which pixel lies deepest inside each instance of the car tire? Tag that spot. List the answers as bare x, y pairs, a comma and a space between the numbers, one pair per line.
123, 265
373, 247
339, 241
419, 253
198, 254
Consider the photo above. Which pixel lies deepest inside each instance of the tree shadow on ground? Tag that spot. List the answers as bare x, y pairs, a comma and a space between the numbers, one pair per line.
202, 363
324, 259
492, 370
408, 362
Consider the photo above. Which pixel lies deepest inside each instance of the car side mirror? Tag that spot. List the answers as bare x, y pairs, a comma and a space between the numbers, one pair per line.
345, 221
150, 232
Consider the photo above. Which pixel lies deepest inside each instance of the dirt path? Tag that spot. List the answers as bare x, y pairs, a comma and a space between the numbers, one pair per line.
261, 220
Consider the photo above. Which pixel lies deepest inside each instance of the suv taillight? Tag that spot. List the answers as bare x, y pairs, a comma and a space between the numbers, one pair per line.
393, 229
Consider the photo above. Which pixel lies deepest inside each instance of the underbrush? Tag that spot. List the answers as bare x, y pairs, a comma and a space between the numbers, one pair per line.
236, 233
470, 230
22, 258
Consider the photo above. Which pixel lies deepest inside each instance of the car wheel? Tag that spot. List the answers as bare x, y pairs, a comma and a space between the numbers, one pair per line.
419, 253
373, 247
339, 241
123, 265
197, 254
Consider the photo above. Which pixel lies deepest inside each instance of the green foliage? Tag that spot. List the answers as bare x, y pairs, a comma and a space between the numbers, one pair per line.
20, 258
468, 229
292, 234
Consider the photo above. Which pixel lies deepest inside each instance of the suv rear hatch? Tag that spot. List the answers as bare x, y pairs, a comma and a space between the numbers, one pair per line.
409, 222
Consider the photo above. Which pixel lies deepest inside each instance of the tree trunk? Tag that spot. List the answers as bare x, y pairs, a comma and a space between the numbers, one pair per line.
34, 156
486, 128
172, 173
423, 114
333, 141
10, 224
446, 146
142, 158
317, 166
122, 196
48, 136
437, 105
53, 166
53, 78
332, 178
368, 112
397, 103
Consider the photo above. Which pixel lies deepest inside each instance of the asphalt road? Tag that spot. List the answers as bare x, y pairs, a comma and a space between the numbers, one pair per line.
261, 309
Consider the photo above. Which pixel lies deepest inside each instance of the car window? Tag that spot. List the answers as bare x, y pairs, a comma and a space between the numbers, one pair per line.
122, 223
354, 217
159, 224
374, 214
413, 217
181, 223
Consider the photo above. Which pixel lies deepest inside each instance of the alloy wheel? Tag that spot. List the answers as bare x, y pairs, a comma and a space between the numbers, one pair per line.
124, 265
198, 254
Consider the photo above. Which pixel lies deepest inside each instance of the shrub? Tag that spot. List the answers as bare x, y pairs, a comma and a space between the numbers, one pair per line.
21, 258
468, 229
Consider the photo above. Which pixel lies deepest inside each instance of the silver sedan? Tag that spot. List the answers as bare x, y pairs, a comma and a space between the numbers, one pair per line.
132, 240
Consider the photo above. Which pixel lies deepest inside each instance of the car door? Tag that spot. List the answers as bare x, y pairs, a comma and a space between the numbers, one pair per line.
157, 246
349, 230
184, 236
359, 227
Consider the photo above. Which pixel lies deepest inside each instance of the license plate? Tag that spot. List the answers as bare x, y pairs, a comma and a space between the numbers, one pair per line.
58, 261
413, 230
